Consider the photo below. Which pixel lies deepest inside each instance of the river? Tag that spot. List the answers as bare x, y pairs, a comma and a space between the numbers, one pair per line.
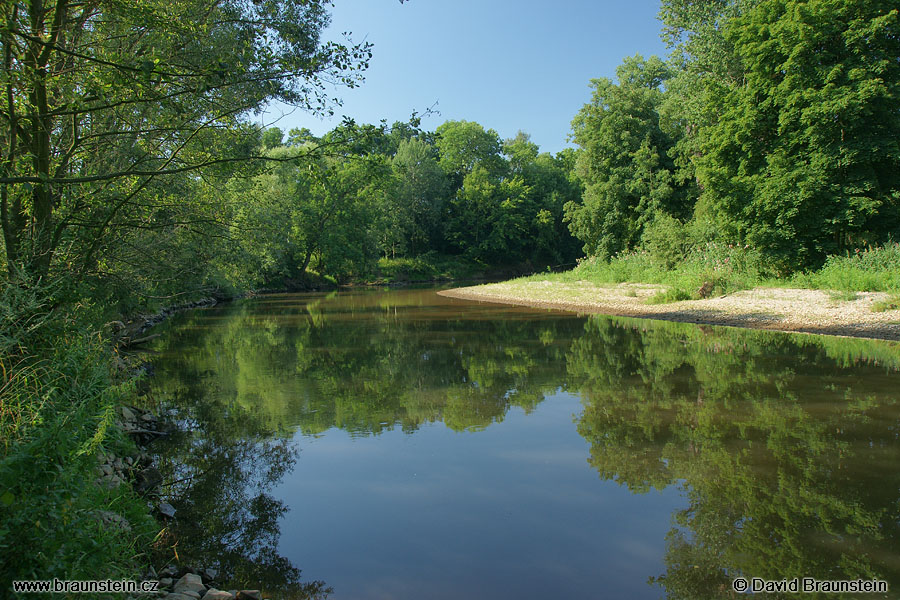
398, 444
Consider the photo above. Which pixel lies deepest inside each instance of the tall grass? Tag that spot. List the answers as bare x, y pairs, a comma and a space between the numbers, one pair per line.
714, 268
57, 397
721, 268
875, 269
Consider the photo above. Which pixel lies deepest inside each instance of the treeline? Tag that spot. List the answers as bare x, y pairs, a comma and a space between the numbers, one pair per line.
334, 205
773, 127
132, 175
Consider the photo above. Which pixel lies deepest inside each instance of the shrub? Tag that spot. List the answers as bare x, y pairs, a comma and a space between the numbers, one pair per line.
666, 239
57, 397
875, 269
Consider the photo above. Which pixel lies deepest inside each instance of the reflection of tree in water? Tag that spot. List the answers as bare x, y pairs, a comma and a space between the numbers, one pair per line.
787, 457
246, 376
350, 362
219, 470
788, 469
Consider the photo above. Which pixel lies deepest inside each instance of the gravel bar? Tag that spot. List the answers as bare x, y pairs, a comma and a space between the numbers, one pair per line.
776, 309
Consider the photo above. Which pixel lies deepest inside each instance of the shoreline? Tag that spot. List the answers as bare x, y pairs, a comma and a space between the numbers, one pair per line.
789, 310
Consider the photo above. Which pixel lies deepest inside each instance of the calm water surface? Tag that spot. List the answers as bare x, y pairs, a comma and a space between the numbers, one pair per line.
397, 444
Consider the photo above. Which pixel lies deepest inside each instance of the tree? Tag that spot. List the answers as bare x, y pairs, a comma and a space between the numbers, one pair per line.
422, 193
105, 101
271, 137
552, 184
804, 160
624, 161
326, 215
464, 145
704, 63
521, 151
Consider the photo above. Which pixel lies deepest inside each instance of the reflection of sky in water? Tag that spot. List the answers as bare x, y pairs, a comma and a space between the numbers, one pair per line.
786, 445
514, 511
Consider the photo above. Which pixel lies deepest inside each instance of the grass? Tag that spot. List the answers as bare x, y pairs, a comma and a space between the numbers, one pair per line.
874, 269
427, 267
892, 303
670, 295
842, 295
715, 269
58, 395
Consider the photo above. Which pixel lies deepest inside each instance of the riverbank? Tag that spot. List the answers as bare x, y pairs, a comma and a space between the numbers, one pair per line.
776, 309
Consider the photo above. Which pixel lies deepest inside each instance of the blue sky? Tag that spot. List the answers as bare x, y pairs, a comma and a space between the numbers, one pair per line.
506, 64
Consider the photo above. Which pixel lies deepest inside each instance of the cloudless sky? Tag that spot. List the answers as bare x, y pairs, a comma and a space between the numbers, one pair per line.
510, 65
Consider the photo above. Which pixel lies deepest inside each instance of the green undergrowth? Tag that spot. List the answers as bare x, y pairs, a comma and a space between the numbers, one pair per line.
891, 303
427, 267
715, 269
874, 269
58, 396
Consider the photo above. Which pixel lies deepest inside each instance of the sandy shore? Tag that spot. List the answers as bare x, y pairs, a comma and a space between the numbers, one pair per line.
778, 309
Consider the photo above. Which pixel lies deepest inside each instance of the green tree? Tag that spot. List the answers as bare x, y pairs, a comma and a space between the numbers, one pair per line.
704, 64
421, 194
552, 184
106, 102
624, 160
464, 145
804, 159
272, 137
489, 218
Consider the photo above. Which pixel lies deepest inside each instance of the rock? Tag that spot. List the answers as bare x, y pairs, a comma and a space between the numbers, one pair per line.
189, 578
209, 575
113, 520
107, 470
166, 510
214, 594
169, 571
190, 584
180, 596
166, 582
249, 595
129, 460
148, 418
127, 414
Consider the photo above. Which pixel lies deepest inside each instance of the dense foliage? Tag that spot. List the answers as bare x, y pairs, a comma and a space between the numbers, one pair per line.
335, 205
132, 173
774, 125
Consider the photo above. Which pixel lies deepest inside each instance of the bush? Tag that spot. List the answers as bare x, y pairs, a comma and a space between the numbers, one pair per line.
666, 239
58, 399
865, 270
426, 267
